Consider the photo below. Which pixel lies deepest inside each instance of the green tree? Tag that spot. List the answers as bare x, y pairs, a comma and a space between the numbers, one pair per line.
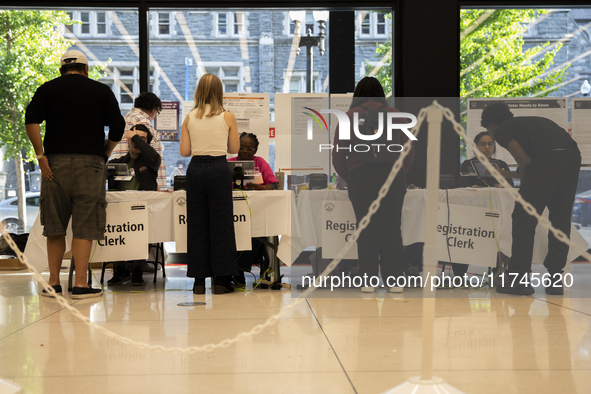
493, 60
31, 43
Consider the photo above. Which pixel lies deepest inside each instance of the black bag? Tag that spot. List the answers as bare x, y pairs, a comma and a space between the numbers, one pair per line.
19, 239
380, 150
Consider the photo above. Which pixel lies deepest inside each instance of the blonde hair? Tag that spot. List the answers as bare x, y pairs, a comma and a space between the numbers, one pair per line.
209, 91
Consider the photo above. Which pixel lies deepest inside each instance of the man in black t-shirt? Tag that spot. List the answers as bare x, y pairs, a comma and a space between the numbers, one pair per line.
550, 161
72, 159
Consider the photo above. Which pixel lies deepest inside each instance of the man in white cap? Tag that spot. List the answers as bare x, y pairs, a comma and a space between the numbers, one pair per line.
72, 158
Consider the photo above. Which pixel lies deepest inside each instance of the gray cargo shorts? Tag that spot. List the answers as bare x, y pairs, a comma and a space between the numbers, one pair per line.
77, 191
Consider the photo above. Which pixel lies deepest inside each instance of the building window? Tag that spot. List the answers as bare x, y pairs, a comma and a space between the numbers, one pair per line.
230, 73
163, 23
372, 24
238, 23
297, 82
101, 23
309, 24
229, 24
92, 23
85, 26
123, 79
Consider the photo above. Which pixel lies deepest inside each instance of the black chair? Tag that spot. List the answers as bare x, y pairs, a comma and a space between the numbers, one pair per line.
157, 260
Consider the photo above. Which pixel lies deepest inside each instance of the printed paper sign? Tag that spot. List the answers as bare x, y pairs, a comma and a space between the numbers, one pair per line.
242, 222
180, 221
338, 223
467, 235
126, 233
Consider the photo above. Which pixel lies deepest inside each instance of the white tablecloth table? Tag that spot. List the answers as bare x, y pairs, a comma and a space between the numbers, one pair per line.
273, 214
309, 204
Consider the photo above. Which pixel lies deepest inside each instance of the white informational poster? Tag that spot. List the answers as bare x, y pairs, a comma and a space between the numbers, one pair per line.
186, 107
167, 122
581, 127
242, 222
553, 108
294, 153
252, 116
467, 234
126, 233
342, 102
338, 223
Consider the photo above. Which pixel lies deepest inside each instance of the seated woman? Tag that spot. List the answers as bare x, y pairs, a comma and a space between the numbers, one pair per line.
487, 146
249, 145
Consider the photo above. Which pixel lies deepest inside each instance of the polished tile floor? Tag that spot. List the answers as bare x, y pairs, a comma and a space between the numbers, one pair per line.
483, 344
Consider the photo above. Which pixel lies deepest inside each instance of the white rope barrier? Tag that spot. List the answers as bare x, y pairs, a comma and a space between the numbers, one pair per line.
259, 327
288, 308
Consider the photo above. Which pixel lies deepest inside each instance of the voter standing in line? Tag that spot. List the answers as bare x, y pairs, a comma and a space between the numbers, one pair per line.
207, 134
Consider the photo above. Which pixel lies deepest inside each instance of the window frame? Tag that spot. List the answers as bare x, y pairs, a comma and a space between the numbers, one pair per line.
231, 23
92, 23
220, 73
373, 25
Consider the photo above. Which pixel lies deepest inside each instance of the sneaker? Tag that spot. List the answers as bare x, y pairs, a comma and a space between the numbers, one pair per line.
56, 288
396, 289
119, 277
368, 289
556, 288
517, 288
79, 293
137, 279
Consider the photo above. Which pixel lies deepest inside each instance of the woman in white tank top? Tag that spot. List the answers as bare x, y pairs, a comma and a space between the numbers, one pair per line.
208, 132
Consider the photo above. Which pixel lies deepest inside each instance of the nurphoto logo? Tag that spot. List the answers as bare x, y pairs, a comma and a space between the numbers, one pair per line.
377, 136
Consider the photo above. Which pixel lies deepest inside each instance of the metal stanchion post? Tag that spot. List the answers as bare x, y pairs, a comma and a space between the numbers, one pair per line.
427, 383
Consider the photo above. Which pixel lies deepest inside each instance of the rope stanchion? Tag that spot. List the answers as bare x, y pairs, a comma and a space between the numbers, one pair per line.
427, 383
256, 329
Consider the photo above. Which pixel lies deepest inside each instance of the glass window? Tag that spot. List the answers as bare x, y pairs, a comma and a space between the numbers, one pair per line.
238, 24
69, 28
85, 19
310, 23
381, 24
365, 25
101, 23
163, 23
222, 24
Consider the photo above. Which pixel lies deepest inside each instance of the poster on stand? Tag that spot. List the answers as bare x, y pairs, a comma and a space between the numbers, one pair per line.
167, 122
252, 116
581, 127
294, 153
553, 108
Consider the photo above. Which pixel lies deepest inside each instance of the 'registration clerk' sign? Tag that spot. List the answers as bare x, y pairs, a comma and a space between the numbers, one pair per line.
467, 234
126, 233
242, 222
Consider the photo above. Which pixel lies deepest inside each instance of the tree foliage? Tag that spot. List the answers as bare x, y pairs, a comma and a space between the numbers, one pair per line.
493, 60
